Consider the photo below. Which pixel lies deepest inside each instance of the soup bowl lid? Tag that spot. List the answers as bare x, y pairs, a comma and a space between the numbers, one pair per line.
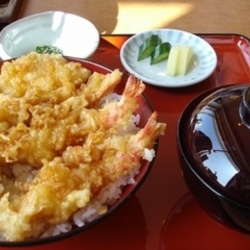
214, 139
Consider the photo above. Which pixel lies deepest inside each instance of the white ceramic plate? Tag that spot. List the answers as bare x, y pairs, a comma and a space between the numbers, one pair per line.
202, 65
74, 35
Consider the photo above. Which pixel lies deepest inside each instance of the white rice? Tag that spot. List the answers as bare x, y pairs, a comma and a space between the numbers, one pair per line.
97, 207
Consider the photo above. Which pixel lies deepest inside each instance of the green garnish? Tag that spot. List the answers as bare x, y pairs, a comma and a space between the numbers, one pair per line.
48, 50
148, 46
160, 53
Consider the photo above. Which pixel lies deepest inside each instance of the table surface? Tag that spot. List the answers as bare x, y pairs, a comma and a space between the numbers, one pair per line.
163, 214
128, 16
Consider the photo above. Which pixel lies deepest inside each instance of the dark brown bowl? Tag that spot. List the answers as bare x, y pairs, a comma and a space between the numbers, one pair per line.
213, 138
145, 110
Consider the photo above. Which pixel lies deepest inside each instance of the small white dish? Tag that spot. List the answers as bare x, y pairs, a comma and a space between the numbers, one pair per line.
201, 67
74, 35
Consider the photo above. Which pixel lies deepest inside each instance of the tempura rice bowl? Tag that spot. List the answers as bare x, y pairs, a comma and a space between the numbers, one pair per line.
115, 195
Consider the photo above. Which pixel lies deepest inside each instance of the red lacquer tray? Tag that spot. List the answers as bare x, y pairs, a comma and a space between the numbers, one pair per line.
162, 214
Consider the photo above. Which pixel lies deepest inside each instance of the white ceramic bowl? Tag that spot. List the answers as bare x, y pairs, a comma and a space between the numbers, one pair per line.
201, 67
74, 35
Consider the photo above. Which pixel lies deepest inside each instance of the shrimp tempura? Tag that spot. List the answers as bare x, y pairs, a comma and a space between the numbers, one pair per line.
58, 155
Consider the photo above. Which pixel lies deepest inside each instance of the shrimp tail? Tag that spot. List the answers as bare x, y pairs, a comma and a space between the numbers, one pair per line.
138, 146
124, 108
134, 87
151, 131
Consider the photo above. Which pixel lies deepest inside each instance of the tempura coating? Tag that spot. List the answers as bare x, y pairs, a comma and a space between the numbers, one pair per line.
46, 79
57, 154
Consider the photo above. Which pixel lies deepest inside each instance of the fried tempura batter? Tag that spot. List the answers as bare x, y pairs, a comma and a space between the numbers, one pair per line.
64, 124
46, 79
58, 150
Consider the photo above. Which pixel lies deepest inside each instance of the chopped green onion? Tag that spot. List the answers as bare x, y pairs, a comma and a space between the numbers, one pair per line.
48, 50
